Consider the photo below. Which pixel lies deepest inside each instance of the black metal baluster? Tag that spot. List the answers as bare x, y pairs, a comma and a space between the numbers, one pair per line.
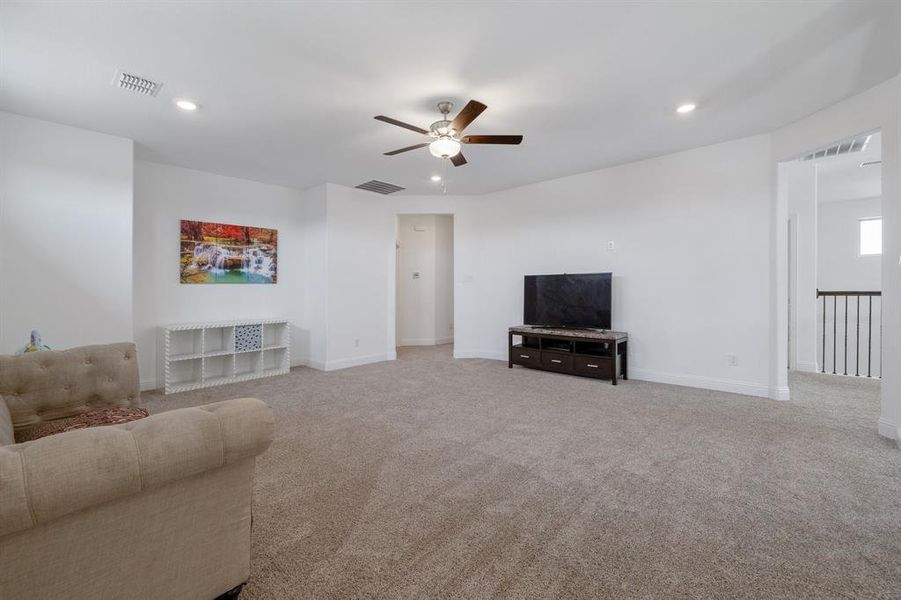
857, 345
870, 335
834, 332
846, 335
823, 365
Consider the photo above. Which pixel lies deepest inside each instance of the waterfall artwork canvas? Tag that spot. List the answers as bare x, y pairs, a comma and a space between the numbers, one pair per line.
220, 253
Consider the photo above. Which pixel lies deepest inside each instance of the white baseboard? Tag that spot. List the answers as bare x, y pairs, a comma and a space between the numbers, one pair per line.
314, 363
807, 367
148, 384
719, 384
780, 393
890, 430
426, 341
344, 363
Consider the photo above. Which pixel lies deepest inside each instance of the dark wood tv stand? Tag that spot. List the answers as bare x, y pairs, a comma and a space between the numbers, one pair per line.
595, 353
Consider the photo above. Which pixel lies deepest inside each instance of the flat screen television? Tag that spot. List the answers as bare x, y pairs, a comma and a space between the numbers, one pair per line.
568, 300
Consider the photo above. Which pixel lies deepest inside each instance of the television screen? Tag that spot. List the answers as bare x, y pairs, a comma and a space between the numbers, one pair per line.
580, 300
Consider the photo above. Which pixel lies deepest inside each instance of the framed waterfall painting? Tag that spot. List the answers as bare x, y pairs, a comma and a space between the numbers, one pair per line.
220, 253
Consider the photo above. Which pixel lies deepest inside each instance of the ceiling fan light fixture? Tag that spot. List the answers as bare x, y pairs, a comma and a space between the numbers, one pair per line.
445, 147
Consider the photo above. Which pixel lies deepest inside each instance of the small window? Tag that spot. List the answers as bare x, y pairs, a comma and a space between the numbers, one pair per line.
871, 236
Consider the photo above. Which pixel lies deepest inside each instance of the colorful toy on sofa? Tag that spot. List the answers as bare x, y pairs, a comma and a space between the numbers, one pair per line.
35, 345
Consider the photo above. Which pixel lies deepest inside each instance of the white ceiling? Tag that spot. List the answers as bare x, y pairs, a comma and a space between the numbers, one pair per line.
289, 89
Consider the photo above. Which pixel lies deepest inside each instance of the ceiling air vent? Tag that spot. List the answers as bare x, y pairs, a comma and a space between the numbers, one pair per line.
858, 144
379, 187
137, 84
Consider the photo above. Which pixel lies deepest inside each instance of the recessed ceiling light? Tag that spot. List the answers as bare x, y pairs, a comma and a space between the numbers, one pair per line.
186, 104
436, 177
686, 108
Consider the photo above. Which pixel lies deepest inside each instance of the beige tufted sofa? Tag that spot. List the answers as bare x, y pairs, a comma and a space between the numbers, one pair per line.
156, 508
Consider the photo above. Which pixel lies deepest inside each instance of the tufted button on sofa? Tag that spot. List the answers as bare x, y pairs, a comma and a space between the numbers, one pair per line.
166, 499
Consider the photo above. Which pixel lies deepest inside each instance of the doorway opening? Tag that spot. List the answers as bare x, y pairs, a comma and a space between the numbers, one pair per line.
834, 228
424, 280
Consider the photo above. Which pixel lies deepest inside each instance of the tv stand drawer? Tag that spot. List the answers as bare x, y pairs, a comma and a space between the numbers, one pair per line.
557, 361
526, 357
593, 366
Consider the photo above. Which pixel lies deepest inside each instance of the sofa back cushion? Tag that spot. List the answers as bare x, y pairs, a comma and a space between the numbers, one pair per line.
43, 386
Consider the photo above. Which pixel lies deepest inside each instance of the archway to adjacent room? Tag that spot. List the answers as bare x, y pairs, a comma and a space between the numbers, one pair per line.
424, 285
832, 198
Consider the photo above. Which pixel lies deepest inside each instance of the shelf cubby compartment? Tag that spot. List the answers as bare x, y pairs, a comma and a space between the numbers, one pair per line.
530, 342
595, 348
219, 340
275, 359
248, 363
218, 368
555, 345
275, 335
185, 343
185, 372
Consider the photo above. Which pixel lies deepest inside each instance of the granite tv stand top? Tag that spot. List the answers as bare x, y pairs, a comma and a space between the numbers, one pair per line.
589, 334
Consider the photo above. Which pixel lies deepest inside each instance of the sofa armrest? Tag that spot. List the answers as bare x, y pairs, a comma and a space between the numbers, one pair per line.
60, 474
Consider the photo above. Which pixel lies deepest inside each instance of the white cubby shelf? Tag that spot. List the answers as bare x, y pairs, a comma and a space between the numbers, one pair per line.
198, 355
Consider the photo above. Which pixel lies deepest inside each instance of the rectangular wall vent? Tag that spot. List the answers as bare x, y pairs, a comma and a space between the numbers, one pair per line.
379, 187
137, 84
858, 144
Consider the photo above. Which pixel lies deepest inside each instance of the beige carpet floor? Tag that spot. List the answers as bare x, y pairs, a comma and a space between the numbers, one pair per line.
429, 477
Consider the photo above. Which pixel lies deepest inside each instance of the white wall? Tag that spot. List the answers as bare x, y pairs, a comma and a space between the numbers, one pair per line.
312, 334
444, 279
424, 304
163, 196
691, 264
836, 184
360, 263
876, 109
65, 234
839, 264
801, 187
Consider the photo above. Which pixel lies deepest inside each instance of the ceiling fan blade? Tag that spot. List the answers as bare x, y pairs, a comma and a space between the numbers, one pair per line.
491, 139
407, 149
385, 119
458, 159
469, 113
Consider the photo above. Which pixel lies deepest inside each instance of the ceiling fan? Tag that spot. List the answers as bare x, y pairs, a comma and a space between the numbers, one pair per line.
447, 142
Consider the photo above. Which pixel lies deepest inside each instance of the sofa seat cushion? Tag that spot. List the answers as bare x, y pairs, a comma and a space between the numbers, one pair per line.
114, 415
